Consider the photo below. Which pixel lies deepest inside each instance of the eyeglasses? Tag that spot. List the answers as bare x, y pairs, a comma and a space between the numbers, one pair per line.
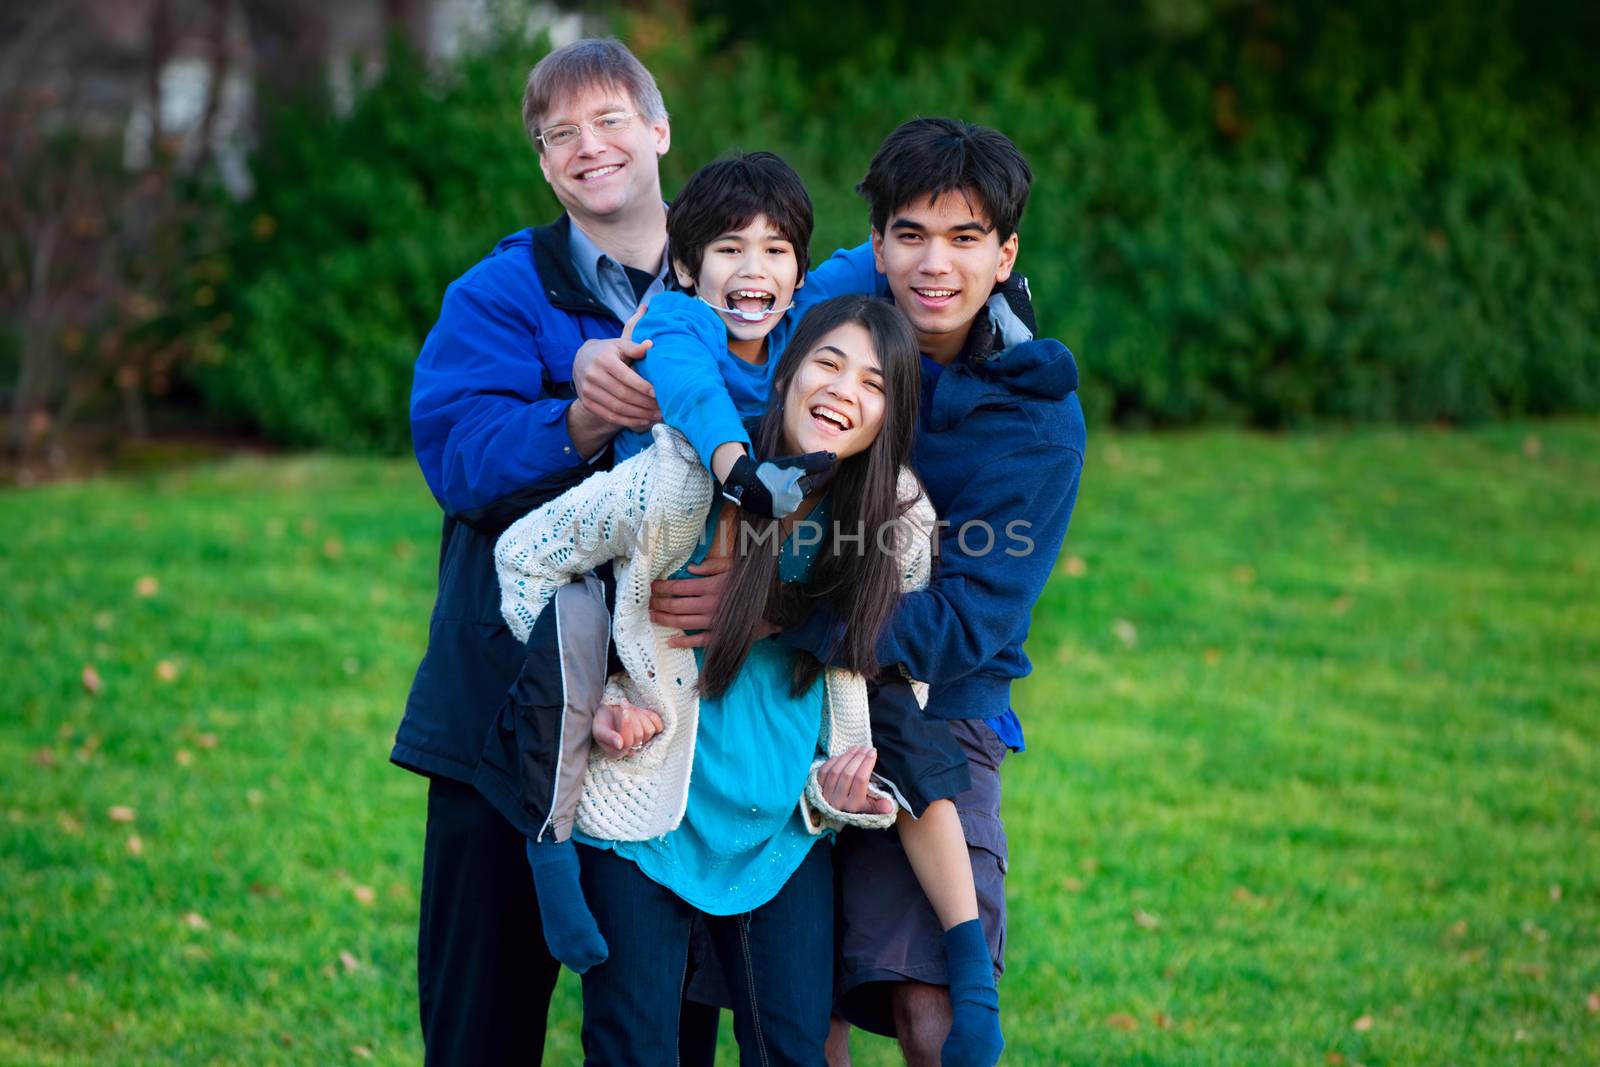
605, 127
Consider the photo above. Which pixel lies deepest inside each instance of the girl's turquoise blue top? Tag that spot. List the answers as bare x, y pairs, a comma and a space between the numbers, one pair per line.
741, 836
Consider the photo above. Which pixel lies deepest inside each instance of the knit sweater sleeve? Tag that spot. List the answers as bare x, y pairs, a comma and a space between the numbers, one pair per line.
593, 522
914, 549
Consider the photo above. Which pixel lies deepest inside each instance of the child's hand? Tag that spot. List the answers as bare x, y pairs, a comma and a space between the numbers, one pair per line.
844, 779
774, 488
622, 729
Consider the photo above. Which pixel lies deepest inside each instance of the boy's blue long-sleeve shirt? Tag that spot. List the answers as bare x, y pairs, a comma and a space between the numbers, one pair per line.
705, 391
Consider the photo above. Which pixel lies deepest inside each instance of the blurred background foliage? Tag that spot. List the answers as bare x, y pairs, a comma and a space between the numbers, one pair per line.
1263, 213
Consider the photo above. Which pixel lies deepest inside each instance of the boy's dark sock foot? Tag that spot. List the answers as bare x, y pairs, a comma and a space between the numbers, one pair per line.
974, 1039
569, 926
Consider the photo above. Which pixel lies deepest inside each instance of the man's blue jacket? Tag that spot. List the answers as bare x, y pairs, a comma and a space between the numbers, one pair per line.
489, 426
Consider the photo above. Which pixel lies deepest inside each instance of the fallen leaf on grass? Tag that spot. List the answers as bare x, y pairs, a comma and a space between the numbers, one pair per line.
1342, 604
195, 921
333, 548
404, 550
1244, 574
1362, 1024
364, 894
1212, 656
348, 961
1074, 567
120, 813
1121, 1020
135, 846
361, 1052
1555, 891
91, 680
1334, 1059
1126, 632
1071, 884
166, 670
1144, 920
103, 620
1532, 446
1593, 1003
146, 587
1162, 1020
206, 740
44, 758
1534, 930
68, 823
183, 757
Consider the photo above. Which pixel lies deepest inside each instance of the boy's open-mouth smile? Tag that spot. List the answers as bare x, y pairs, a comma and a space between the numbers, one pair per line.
935, 296
751, 301
831, 420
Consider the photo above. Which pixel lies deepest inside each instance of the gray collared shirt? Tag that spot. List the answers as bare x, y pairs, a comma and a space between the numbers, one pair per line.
605, 278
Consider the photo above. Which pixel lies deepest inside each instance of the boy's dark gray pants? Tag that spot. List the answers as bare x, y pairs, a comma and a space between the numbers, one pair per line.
537, 747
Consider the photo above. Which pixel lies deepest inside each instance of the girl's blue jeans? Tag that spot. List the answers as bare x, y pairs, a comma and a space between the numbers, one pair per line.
778, 961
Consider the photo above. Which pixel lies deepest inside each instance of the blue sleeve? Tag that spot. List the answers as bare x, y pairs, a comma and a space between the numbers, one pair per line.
481, 422
687, 340
849, 270
978, 599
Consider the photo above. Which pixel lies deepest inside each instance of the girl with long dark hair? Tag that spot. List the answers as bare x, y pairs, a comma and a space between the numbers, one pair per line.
760, 749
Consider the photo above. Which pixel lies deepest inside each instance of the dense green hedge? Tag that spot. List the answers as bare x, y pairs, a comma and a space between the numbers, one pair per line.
1332, 218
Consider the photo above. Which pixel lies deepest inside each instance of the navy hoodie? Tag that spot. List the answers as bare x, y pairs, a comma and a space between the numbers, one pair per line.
999, 448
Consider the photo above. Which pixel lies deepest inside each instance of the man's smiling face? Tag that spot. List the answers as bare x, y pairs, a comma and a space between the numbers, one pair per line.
942, 258
599, 178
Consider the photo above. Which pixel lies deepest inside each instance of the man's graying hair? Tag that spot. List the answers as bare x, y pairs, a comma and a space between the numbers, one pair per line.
594, 61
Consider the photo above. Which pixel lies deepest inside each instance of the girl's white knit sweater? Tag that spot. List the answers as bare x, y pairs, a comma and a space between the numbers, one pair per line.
647, 515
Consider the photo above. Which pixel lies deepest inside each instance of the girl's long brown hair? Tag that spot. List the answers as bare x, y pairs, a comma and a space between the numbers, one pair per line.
855, 578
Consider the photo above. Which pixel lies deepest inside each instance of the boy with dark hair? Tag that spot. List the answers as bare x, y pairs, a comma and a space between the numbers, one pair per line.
999, 449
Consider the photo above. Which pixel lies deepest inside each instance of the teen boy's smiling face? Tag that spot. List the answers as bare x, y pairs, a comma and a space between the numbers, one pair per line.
942, 258
834, 402
597, 178
753, 269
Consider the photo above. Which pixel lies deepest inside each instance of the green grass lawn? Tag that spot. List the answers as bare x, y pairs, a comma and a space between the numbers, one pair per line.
1313, 772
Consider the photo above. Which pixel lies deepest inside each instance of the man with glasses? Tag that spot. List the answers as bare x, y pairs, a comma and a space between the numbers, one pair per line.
498, 428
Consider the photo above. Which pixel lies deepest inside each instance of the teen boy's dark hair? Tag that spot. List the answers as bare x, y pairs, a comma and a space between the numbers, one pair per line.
931, 157
724, 196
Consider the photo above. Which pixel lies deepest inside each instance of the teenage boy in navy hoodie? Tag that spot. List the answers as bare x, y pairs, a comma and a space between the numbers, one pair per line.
999, 449
497, 430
